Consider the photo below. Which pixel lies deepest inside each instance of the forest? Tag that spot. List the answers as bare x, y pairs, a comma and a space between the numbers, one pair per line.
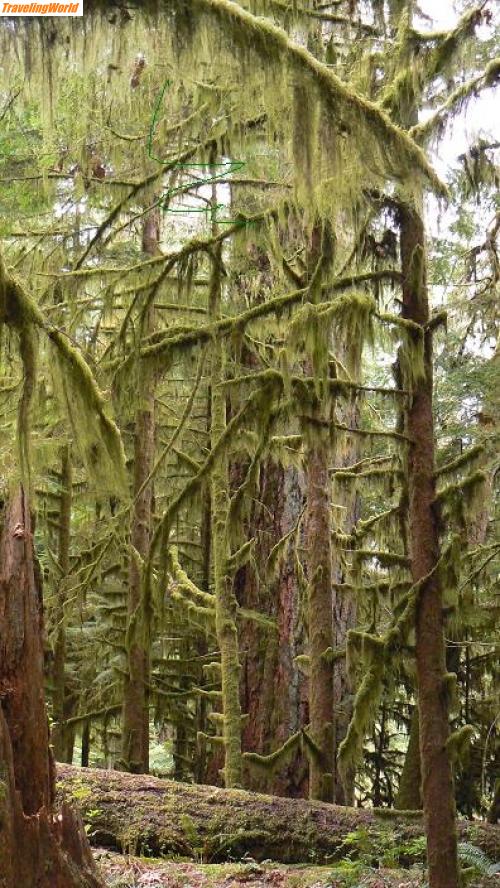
249, 427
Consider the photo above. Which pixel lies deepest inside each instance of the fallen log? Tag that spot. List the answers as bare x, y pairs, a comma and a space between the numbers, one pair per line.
139, 814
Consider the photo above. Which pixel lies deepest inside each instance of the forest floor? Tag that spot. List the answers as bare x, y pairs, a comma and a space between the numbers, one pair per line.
139, 872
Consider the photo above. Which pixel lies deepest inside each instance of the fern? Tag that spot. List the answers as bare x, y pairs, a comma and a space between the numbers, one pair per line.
474, 858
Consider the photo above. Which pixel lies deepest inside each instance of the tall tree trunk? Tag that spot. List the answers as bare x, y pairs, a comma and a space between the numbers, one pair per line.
135, 716
437, 779
290, 684
379, 744
320, 616
21, 659
347, 503
36, 848
61, 735
409, 797
85, 759
225, 599
207, 763
318, 535
271, 683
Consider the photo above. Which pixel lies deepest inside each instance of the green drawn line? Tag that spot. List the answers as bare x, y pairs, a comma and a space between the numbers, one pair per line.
227, 168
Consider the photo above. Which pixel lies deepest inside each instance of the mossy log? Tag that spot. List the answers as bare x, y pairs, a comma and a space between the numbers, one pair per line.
141, 814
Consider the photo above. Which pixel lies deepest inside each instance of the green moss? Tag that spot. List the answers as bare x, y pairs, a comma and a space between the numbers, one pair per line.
372, 133
458, 744
271, 763
95, 433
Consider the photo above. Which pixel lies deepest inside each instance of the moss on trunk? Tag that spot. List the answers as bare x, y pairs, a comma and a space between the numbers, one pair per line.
135, 716
225, 600
409, 794
320, 618
62, 734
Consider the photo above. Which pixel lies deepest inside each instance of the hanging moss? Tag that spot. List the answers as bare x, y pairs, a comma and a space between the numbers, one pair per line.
461, 499
455, 103
28, 348
459, 743
447, 44
374, 136
373, 653
95, 434
304, 140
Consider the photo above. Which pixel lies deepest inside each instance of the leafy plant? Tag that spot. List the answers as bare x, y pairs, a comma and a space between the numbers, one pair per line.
475, 862
348, 872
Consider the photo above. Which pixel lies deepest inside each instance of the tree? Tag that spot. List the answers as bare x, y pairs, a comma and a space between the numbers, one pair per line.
35, 846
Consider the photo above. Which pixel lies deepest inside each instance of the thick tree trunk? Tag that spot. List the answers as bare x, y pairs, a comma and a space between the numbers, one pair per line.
289, 683
135, 716
320, 616
437, 778
272, 687
318, 538
21, 659
346, 511
62, 737
134, 811
36, 847
209, 762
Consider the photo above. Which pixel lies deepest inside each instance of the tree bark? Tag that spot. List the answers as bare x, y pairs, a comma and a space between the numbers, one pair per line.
21, 659
86, 744
135, 715
318, 541
273, 690
320, 616
437, 778
61, 736
347, 507
132, 811
225, 599
409, 797
38, 847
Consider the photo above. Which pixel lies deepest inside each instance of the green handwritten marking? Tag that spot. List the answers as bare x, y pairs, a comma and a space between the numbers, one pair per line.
226, 169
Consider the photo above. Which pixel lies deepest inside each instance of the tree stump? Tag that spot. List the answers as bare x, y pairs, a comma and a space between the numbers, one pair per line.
38, 845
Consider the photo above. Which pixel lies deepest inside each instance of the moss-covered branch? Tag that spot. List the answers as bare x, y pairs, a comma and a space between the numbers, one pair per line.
184, 337
95, 433
456, 101
371, 130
